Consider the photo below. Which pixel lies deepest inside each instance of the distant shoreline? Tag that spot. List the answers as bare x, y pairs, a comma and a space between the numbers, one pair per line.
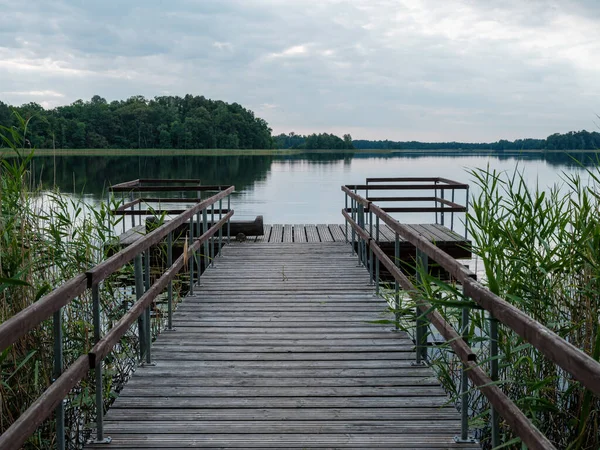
6, 153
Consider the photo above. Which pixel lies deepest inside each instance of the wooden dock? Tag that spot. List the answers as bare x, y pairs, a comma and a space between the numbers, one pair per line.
279, 233
277, 349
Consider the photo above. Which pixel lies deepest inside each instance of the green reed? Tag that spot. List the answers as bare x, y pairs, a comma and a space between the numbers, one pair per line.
47, 237
540, 250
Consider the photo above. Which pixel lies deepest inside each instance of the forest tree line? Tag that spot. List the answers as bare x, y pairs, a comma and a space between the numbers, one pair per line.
163, 122
195, 122
573, 140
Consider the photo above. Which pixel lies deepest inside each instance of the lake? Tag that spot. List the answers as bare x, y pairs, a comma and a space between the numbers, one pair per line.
292, 187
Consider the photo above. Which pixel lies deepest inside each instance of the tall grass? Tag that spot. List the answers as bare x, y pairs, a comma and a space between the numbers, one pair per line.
47, 237
540, 250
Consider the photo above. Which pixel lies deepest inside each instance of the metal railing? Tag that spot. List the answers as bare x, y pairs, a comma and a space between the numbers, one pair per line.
135, 188
566, 356
51, 306
440, 205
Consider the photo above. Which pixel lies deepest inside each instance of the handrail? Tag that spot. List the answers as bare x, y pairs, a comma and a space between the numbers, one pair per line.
565, 355
571, 359
166, 188
445, 329
139, 182
528, 432
408, 187
435, 190
118, 260
413, 179
18, 325
104, 345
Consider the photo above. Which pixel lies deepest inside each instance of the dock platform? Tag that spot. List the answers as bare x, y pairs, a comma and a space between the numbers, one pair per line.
447, 240
278, 348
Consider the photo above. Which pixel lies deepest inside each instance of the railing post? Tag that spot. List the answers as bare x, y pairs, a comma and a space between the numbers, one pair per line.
464, 388
358, 238
56, 372
396, 285
466, 212
346, 221
371, 271
132, 197
100, 439
442, 206
197, 257
212, 238
220, 228
494, 376
435, 195
452, 213
365, 258
363, 248
422, 261
355, 218
353, 214
123, 217
191, 258
139, 291
204, 230
170, 285
229, 220
377, 260
146, 312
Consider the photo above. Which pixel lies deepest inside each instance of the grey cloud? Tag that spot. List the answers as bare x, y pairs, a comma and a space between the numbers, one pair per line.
383, 69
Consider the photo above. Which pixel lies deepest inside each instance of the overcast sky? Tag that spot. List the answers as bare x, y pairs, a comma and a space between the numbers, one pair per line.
432, 70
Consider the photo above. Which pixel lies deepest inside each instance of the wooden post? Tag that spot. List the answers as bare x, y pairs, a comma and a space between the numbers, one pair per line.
422, 261
100, 439
56, 372
170, 287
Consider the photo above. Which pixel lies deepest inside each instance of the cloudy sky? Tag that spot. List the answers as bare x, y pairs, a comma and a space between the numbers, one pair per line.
431, 70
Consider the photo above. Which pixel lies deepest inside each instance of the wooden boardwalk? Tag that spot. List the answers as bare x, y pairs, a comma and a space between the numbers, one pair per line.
276, 350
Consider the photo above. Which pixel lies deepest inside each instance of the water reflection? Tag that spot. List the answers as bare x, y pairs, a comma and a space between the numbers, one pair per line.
295, 188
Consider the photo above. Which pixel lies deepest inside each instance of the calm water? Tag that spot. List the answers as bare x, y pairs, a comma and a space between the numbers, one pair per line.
290, 189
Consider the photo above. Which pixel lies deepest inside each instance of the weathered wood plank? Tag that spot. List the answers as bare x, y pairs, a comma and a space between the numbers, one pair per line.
398, 415
300, 234
276, 233
132, 235
311, 234
173, 374
305, 426
386, 233
273, 381
324, 233
338, 232
288, 357
265, 237
288, 233
288, 392
442, 233
143, 401
345, 440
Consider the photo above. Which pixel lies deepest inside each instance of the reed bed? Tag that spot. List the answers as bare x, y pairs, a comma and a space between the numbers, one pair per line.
540, 250
47, 237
